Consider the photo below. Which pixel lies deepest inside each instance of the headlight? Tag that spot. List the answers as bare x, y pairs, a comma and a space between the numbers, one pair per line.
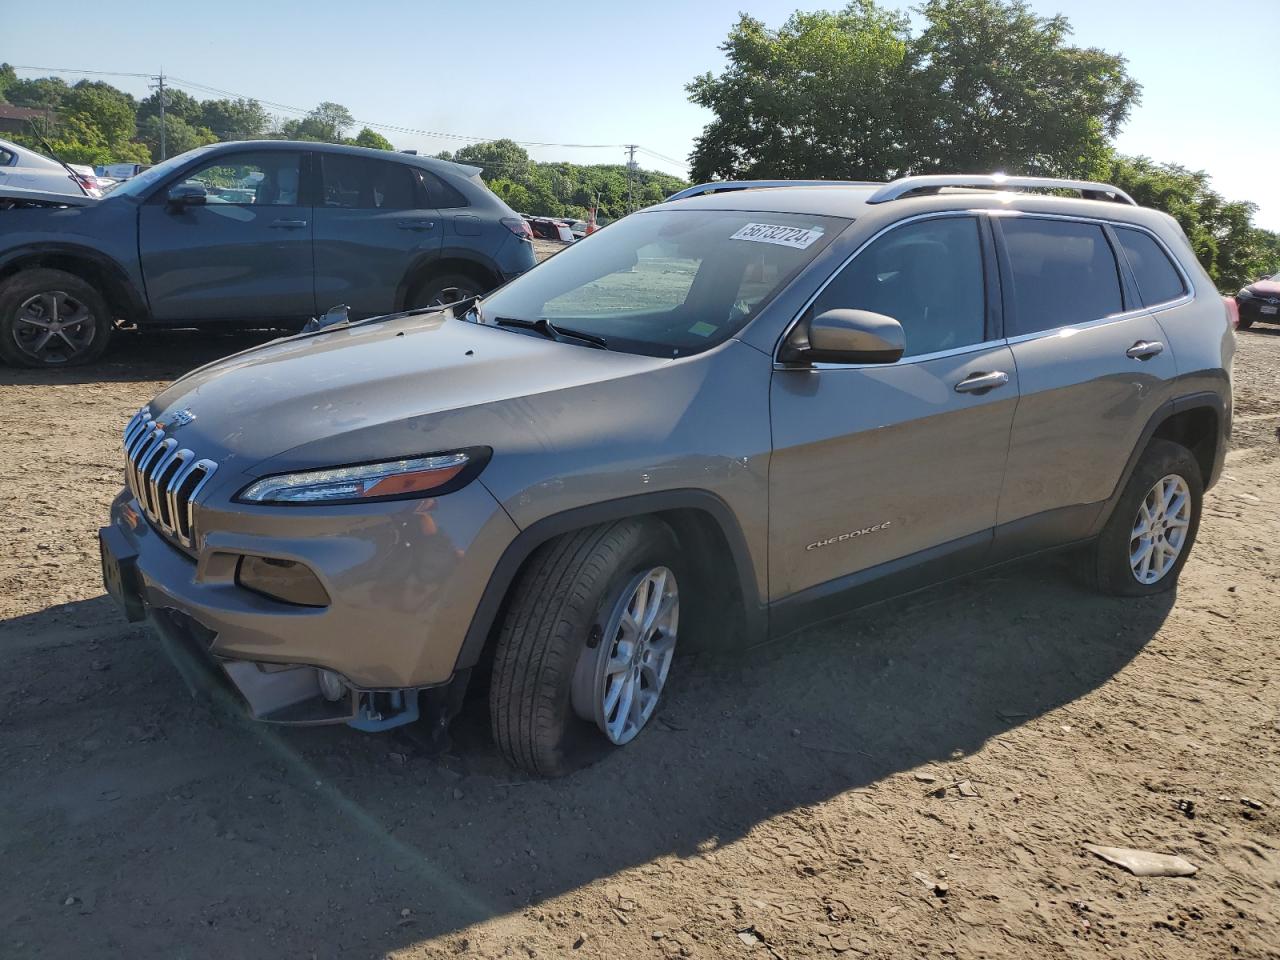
366, 482
1245, 294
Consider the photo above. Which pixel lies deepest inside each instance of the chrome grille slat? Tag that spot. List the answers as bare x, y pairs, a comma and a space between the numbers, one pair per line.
160, 473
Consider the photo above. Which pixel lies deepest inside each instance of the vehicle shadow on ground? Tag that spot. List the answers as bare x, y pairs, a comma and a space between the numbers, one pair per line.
204, 833
151, 355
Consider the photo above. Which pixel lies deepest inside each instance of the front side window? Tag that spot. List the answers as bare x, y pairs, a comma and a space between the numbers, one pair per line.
926, 275
359, 183
667, 282
270, 178
1063, 273
1157, 278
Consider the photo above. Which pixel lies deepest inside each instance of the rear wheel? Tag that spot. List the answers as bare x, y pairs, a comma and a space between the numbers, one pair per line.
586, 645
51, 318
445, 289
1149, 535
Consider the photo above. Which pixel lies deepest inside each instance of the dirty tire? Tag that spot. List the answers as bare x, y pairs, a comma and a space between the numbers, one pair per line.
1105, 564
20, 288
568, 586
445, 289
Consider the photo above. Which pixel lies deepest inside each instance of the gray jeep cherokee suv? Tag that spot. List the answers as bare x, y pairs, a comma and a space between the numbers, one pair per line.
717, 419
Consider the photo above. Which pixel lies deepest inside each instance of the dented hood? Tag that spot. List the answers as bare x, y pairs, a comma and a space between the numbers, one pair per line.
367, 389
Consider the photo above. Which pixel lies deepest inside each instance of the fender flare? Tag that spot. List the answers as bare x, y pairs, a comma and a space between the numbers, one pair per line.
1170, 408
135, 301
423, 262
645, 504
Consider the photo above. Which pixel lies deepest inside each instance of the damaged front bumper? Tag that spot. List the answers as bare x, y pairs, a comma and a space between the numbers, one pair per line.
137, 566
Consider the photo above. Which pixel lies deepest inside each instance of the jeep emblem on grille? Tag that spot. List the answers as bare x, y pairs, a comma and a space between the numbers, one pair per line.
176, 418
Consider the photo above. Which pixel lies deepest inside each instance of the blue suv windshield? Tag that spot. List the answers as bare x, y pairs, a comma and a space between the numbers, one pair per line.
667, 282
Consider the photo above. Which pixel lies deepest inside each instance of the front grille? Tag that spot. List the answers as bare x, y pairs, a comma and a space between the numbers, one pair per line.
165, 478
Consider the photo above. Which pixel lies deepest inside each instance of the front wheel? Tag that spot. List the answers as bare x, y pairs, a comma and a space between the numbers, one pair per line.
586, 645
51, 318
1244, 323
1149, 536
445, 289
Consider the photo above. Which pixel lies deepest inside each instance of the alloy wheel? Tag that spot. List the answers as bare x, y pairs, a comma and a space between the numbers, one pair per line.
1160, 529
53, 327
618, 682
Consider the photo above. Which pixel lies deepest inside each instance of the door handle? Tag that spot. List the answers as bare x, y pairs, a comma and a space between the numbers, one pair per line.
982, 382
416, 224
288, 224
1145, 350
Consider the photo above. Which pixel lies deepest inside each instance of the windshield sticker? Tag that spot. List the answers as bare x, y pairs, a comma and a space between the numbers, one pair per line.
797, 238
703, 329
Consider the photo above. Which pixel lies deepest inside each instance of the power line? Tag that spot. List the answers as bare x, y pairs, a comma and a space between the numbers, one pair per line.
394, 128
93, 73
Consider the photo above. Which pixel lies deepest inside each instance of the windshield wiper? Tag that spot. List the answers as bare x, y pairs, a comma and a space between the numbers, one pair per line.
544, 326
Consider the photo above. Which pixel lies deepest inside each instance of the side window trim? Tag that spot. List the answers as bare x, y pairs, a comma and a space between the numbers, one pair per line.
992, 305
1128, 282
1128, 304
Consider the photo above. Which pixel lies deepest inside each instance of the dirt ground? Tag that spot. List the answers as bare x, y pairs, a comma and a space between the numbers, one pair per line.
913, 781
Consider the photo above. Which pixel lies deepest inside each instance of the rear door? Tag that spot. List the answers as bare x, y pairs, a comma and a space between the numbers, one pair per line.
374, 222
243, 255
878, 463
1093, 367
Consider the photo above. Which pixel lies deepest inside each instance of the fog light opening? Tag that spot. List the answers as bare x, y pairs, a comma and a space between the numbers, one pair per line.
332, 686
284, 580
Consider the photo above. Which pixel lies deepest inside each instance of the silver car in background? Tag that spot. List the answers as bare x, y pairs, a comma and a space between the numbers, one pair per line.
717, 420
25, 169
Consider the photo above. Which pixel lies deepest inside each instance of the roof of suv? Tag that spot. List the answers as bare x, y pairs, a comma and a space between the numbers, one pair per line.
856, 202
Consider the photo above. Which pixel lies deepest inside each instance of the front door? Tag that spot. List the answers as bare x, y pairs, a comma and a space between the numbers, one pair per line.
1093, 365
374, 222
244, 254
898, 462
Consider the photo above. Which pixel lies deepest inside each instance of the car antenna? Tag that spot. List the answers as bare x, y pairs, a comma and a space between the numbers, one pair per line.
75, 177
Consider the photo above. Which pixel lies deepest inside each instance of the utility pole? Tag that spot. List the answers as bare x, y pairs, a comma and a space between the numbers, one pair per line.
631, 169
159, 84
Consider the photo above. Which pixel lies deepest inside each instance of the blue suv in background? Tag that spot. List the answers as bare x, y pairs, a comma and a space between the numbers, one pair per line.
261, 233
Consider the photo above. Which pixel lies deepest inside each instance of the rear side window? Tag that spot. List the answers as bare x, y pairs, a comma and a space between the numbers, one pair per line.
1063, 273
441, 194
1158, 279
927, 276
358, 183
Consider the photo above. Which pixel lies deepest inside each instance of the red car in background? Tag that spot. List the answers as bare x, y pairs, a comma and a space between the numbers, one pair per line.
1259, 301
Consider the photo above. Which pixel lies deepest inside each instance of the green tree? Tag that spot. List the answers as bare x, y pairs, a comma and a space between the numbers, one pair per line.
854, 95
101, 105
498, 158
233, 119
179, 136
8, 77
372, 140
43, 93
998, 87
177, 103
818, 97
327, 123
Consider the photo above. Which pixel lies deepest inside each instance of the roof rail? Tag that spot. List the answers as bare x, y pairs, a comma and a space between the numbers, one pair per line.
725, 186
907, 186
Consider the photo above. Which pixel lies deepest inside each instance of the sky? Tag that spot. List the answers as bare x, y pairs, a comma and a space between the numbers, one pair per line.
610, 73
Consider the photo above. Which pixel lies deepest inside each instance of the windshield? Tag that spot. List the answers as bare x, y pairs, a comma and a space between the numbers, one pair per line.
667, 282
153, 175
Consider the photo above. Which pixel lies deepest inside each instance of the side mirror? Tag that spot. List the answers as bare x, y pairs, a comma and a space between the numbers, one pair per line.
845, 336
187, 195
